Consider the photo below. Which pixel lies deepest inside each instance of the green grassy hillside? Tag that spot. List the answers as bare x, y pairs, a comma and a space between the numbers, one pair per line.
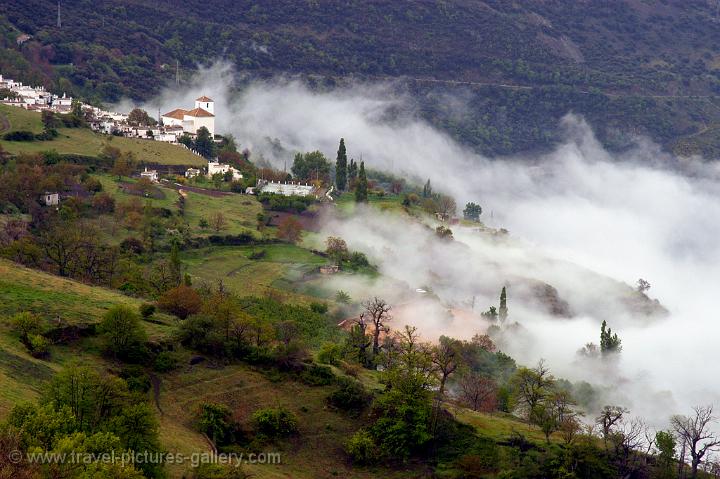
82, 141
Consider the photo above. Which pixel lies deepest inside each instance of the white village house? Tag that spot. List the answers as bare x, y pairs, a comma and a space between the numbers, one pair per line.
192, 173
192, 120
151, 175
215, 167
51, 199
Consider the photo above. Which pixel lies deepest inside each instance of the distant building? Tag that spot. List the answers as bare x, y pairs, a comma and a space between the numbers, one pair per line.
51, 199
192, 120
151, 175
192, 173
329, 269
286, 188
215, 168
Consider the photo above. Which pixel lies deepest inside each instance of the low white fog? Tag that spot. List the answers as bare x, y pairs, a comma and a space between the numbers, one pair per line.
585, 221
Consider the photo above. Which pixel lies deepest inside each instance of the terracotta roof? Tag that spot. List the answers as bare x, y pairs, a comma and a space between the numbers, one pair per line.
203, 98
198, 112
178, 114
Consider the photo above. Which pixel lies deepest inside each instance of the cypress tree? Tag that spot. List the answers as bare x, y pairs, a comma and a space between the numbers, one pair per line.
427, 189
503, 311
361, 190
352, 170
341, 166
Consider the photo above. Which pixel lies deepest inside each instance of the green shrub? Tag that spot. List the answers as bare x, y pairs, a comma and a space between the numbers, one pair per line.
317, 375
39, 346
165, 361
147, 310
215, 420
362, 448
275, 422
320, 308
330, 353
349, 396
20, 135
136, 378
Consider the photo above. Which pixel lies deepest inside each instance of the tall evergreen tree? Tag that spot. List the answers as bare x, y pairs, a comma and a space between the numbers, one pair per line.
352, 170
609, 342
503, 311
361, 189
204, 143
341, 167
427, 189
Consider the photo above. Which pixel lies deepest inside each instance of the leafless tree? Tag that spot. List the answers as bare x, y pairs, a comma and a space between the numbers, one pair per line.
695, 434
445, 359
610, 417
378, 311
476, 391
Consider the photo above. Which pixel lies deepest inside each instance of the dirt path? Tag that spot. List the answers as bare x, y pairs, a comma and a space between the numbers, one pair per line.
195, 189
156, 384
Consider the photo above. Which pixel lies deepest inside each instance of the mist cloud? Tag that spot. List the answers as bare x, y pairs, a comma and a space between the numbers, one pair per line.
583, 220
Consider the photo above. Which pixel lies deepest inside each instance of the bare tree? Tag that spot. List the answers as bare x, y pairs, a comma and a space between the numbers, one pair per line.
476, 391
217, 221
695, 434
378, 311
445, 359
610, 417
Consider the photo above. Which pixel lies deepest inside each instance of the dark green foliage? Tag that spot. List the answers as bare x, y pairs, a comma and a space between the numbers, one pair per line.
216, 421
19, 135
341, 166
123, 334
350, 395
609, 342
311, 166
317, 375
503, 310
402, 425
294, 204
204, 143
147, 310
361, 187
320, 308
275, 422
80, 400
472, 212
165, 361
136, 378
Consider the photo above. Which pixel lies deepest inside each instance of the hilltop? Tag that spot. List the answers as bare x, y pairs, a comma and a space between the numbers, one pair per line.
518, 68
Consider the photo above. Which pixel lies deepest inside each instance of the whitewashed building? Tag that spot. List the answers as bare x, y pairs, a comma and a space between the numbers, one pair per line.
215, 167
192, 120
286, 188
151, 175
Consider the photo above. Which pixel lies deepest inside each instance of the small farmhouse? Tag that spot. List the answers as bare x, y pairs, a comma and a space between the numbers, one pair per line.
151, 175
192, 173
51, 199
215, 167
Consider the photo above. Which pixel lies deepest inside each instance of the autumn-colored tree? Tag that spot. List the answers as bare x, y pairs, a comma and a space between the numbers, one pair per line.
290, 230
182, 301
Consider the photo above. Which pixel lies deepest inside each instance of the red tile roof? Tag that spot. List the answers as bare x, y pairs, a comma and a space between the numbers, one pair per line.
203, 98
178, 114
198, 112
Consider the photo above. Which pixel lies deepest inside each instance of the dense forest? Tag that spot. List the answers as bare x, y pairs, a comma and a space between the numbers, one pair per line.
519, 68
